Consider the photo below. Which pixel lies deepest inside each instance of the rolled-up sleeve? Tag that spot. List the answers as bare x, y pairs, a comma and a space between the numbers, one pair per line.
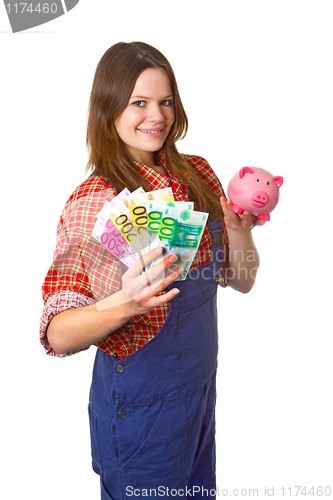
56, 304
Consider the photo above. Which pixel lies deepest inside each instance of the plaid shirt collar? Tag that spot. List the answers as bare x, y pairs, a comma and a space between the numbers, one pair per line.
160, 181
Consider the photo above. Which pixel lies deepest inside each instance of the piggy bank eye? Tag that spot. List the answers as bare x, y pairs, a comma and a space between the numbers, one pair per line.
268, 183
256, 180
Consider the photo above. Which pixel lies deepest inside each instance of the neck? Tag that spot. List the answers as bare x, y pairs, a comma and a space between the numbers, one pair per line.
149, 160
146, 159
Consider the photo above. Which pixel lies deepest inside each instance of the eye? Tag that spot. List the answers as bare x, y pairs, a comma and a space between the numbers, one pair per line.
167, 102
139, 104
256, 180
268, 183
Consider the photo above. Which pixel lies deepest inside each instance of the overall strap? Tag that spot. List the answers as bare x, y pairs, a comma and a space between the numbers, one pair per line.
215, 229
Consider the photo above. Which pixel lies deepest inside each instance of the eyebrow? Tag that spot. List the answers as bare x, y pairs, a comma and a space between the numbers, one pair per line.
143, 97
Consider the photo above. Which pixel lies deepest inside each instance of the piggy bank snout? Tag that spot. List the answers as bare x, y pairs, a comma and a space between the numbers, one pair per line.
259, 199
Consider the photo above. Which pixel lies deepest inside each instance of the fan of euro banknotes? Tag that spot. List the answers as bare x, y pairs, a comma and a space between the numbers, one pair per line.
132, 224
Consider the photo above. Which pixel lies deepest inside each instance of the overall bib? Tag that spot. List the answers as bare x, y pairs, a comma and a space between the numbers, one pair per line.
152, 414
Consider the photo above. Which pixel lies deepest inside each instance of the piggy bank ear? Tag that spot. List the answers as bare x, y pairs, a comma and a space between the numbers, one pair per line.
278, 180
245, 170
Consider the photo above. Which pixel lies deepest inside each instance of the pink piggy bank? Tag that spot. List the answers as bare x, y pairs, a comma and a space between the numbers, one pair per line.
254, 190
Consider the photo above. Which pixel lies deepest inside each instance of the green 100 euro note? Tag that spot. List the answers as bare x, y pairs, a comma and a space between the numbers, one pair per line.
178, 231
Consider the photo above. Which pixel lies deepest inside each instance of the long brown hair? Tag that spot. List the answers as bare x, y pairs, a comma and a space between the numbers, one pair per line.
113, 84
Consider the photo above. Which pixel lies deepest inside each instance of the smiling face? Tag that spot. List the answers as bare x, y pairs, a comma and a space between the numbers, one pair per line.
146, 121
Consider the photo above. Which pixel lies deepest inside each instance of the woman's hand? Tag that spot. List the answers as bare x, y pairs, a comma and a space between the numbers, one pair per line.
241, 222
140, 288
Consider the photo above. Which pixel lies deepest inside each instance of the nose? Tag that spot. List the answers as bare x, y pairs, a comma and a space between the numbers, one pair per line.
259, 198
155, 113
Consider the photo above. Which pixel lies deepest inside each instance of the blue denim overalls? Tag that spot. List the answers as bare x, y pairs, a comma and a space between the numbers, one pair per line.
152, 414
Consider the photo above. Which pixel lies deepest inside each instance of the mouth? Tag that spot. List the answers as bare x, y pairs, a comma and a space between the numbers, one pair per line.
258, 203
153, 132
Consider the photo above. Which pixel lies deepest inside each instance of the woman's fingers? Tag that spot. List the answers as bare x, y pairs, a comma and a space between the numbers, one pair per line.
142, 297
140, 285
158, 300
158, 271
142, 262
154, 300
245, 221
149, 275
163, 280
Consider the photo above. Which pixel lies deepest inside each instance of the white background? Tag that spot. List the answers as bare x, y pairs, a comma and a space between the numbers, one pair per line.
256, 82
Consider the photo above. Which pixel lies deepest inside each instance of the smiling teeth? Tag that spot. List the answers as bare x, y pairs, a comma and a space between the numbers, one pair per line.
149, 131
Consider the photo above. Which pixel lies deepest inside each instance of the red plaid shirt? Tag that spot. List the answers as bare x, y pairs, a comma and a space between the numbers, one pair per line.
83, 271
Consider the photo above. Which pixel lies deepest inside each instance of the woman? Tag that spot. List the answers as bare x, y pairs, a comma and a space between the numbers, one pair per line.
152, 397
